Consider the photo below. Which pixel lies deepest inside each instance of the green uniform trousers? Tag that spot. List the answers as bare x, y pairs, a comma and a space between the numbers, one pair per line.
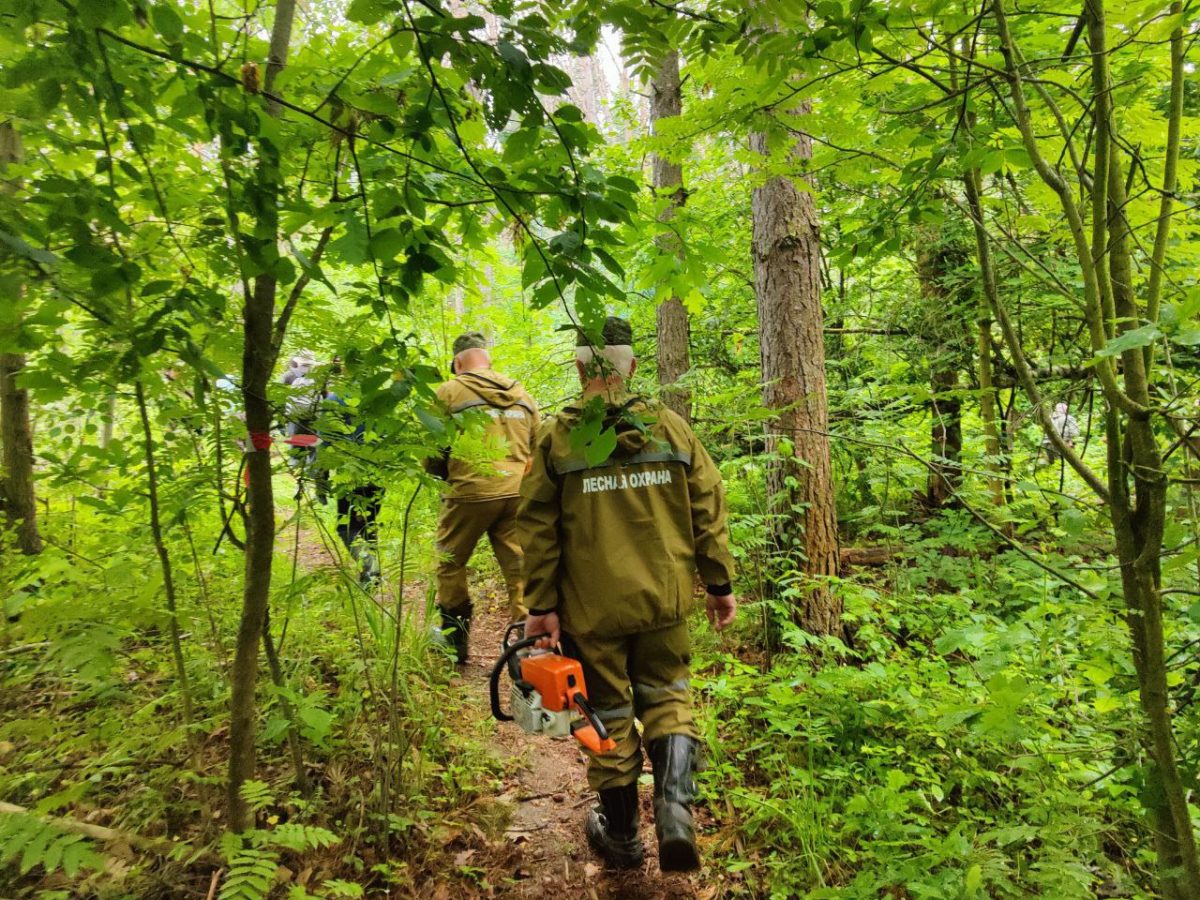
461, 524
643, 676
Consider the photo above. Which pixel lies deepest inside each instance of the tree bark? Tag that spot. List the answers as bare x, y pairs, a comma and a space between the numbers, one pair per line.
987, 396
787, 277
258, 359
16, 434
945, 474
1139, 521
17, 497
666, 101
164, 559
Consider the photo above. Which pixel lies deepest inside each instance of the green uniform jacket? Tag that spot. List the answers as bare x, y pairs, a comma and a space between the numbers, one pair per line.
514, 420
616, 547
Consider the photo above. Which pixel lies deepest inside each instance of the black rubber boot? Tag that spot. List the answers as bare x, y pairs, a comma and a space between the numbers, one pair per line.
612, 827
456, 629
673, 758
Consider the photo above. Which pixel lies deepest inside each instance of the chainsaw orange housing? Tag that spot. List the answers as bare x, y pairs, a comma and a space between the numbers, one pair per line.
556, 678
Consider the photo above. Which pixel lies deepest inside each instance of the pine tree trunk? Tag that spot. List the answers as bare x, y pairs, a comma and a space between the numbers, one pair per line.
16, 435
258, 359
787, 279
17, 498
666, 101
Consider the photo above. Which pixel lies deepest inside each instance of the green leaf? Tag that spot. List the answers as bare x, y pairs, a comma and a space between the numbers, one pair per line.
599, 450
386, 244
513, 56
368, 12
21, 248
167, 21
566, 242
1130, 340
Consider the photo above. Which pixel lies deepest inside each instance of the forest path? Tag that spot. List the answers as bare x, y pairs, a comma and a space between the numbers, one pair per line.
546, 853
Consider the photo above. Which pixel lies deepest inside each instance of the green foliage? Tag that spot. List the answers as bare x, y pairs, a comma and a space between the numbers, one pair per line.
253, 857
28, 842
977, 735
961, 753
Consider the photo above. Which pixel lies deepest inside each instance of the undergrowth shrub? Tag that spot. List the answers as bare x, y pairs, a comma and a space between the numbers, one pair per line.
964, 748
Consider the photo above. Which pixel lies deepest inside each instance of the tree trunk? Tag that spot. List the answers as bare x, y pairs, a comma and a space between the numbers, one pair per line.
945, 473
17, 498
945, 436
666, 101
787, 277
987, 396
20, 505
258, 359
1135, 484
1139, 521
164, 559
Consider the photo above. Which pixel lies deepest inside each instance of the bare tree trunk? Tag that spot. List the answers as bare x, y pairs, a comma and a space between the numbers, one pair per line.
787, 276
17, 498
106, 423
258, 358
666, 101
164, 559
16, 434
945, 435
1139, 521
987, 396
945, 473
289, 712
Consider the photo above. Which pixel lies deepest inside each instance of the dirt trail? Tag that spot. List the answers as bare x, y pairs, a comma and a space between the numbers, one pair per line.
547, 854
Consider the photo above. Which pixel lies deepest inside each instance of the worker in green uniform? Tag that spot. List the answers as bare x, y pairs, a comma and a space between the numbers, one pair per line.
612, 550
481, 498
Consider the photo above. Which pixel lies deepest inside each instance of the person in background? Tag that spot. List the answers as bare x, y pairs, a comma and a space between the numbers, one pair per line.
1068, 429
480, 499
298, 366
612, 550
314, 415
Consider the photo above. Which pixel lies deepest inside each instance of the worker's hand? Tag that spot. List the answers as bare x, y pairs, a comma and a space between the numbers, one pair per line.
547, 625
721, 610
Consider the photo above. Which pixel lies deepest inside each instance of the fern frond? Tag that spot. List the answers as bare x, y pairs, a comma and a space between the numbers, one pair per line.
294, 836
36, 842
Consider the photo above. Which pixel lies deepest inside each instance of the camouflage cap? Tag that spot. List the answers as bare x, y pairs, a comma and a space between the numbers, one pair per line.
616, 332
471, 340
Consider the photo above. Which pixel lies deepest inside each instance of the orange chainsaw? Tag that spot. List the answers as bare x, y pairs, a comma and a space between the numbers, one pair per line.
547, 693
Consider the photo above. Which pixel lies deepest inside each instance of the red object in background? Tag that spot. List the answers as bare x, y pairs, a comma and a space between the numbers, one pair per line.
303, 440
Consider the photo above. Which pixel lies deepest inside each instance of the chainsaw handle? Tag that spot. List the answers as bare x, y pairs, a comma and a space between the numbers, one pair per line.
584, 707
494, 681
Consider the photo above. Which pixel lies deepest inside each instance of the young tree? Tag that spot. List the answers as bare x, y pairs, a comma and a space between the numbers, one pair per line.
258, 361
